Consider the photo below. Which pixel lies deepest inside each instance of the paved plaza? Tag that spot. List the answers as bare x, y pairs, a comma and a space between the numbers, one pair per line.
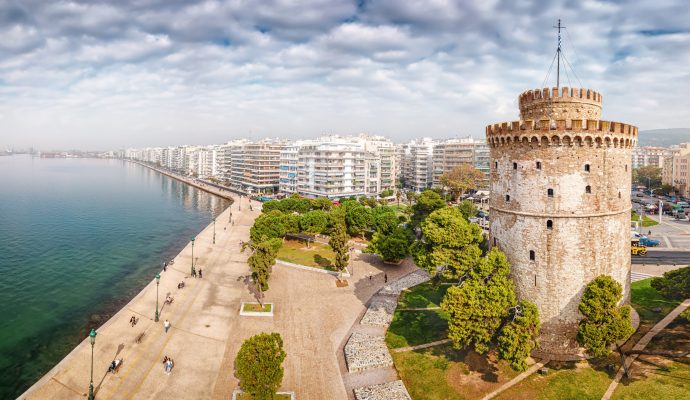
312, 315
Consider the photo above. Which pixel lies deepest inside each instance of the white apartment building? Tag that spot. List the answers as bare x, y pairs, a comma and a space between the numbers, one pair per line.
334, 166
679, 174
418, 164
648, 155
255, 166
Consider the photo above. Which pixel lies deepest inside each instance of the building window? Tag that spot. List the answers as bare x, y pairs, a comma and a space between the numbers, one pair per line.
549, 224
507, 197
532, 256
619, 195
626, 167
549, 192
586, 167
538, 164
588, 189
495, 164
514, 165
494, 241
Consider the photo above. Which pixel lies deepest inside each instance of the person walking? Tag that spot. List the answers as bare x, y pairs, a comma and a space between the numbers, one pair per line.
166, 325
385, 277
200, 274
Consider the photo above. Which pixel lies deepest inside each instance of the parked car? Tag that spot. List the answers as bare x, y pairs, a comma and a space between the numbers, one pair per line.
645, 241
637, 250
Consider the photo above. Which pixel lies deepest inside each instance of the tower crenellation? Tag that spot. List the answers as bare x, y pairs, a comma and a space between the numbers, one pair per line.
560, 204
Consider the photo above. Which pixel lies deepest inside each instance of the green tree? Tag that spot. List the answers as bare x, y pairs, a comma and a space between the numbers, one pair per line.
410, 196
479, 306
314, 222
674, 284
427, 202
357, 218
268, 225
259, 366
398, 195
605, 323
386, 193
394, 246
448, 242
385, 219
291, 222
321, 203
261, 261
461, 179
339, 244
468, 209
649, 176
519, 335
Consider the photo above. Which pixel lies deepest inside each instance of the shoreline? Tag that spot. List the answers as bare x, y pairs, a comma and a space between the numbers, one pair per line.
127, 303
224, 193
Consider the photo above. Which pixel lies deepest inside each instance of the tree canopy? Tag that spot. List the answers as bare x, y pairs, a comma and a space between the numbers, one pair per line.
427, 202
358, 218
267, 225
449, 242
519, 335
262, 259
314, 222
649, 176
468, 209
480, 304
339, 244
605, 323
461, 179
674, 284
258, 365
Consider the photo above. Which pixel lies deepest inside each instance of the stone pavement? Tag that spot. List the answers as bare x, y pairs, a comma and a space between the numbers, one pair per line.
312, 315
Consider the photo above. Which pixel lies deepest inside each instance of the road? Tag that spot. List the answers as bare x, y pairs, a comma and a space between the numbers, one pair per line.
662, 257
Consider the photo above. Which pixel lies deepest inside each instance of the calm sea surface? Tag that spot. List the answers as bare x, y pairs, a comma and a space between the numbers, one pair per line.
78, 239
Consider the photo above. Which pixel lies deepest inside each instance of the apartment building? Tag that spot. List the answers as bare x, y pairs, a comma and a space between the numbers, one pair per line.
255, 166
649, 155
679, 174
450, 154
334, 166
417, 161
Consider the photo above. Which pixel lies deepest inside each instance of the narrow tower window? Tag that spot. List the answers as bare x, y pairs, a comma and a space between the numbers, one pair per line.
588, 189
619, 195
514, 165
494, 241
549, 192
549, 224
507, 197
495, 164
532, 256
626, 167
586, 167
538, 164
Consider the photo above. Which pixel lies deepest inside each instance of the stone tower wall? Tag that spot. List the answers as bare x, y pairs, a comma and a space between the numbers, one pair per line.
567, 104
589, 230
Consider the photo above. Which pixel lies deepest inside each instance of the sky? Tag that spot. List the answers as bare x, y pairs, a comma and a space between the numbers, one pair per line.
135, 73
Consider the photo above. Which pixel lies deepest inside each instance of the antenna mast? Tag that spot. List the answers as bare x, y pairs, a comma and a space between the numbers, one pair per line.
558, 55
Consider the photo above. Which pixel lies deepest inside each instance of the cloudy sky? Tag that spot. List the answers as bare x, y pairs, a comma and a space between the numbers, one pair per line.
102, 75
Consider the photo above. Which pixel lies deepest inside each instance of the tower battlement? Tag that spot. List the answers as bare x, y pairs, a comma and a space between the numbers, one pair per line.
564, 103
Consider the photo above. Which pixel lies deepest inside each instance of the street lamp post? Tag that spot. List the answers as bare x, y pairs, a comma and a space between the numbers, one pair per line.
193, 238
158, 279
92, 339
214, 231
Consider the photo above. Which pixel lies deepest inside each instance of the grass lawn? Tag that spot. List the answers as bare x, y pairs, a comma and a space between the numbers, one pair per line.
422, 296
410, 328
318, 255
251, 307
645, 299
247, 396
646, 221
657, 379
442, 373
564, 380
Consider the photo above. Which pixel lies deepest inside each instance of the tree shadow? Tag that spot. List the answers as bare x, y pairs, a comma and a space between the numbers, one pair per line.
321, 261
479, 363
120, 347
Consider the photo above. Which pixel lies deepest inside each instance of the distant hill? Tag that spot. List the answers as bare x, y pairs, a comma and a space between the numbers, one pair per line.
663, 137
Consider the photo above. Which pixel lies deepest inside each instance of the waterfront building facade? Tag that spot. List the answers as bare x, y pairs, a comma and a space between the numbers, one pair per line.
677, 169
255, 166
649, 155
418, 159
560, 204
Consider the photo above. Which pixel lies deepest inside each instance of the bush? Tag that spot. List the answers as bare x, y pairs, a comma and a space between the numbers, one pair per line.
259, 365
674, 284
605, 323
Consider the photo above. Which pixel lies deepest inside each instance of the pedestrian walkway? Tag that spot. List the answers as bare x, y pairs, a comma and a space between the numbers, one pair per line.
642, 343
639, 276
534, 368
421, 346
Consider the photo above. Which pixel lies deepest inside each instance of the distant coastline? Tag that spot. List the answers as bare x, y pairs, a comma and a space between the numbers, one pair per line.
206, 187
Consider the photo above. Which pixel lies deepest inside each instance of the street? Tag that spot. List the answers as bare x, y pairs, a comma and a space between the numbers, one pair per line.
664, 257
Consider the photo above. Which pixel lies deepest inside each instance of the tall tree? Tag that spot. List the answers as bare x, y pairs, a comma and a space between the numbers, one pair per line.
427, 202
649, 176
468, 209
605, 323
357, 218
268, 225
410, 196
449, 243
461, 179
261, 261
339, 244
314, 222
479, 306
393, 246
519, 335
259, 366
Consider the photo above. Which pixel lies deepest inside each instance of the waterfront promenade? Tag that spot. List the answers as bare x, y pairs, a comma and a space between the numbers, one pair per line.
311, 314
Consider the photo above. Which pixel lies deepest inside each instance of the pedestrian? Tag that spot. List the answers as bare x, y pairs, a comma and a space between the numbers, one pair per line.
165, 267
200, 274
369, 275
385, 277
166, 325
649, 233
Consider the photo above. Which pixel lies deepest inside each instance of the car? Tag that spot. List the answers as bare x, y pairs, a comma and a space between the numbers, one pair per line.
637, 250
647, 242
